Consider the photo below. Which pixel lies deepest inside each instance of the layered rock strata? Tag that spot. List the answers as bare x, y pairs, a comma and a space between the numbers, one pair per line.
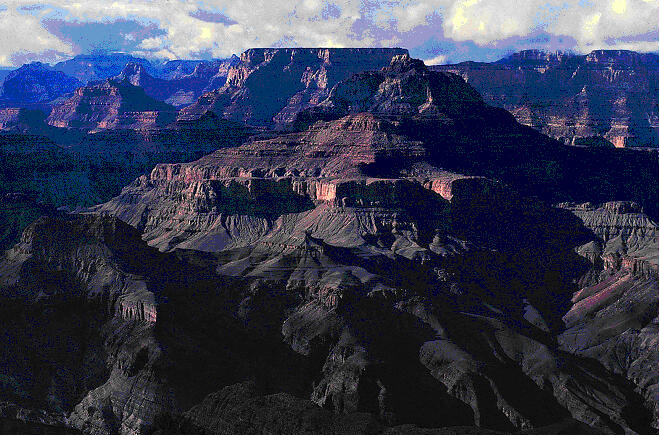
111, 105
270, 86
604, 98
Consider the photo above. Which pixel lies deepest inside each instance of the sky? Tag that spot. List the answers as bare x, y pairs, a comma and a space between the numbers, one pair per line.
437, 31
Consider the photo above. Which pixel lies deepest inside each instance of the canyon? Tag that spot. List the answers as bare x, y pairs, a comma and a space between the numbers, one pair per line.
372, 249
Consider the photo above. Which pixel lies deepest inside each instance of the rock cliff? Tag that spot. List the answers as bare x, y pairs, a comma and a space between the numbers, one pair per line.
269, 86
614, 315
182, 90
314, 293
113, 104
605, 98
393, 265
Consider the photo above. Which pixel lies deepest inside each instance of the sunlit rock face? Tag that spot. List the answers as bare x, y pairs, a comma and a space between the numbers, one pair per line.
605, 98
240, 192
614, 315
270, 86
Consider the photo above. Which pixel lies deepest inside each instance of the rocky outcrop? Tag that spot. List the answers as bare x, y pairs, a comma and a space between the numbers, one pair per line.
394, 251
270, 86
85, 261
331, 305
21, 120
613, 317
352, 158
182, 90
17, 211
239, 192
97, 67
111, 105
404, 88
35, 83
22, 420
605, 98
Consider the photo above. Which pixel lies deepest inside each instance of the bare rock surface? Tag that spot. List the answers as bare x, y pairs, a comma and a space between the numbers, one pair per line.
112, 104
178, 90
614, 315
270, 86
605, 98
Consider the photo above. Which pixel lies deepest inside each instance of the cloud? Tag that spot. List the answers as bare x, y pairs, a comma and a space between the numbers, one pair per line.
120, 35
459, 29
23, 39
212, 17
602, 24
437, 60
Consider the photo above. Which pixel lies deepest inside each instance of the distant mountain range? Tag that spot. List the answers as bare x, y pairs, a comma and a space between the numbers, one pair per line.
42, 83
36, 83
607, 98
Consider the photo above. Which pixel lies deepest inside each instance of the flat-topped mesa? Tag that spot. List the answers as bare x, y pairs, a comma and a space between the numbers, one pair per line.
261, 180
113, 104
351, 59
622, 57
269, 86
338, 148
540, 56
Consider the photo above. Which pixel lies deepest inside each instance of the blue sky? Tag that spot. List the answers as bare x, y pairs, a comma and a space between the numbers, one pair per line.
437, 31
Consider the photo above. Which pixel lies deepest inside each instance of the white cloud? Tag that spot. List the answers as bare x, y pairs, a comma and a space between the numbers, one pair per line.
258, 23
22, 38
610, 24
437, 60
